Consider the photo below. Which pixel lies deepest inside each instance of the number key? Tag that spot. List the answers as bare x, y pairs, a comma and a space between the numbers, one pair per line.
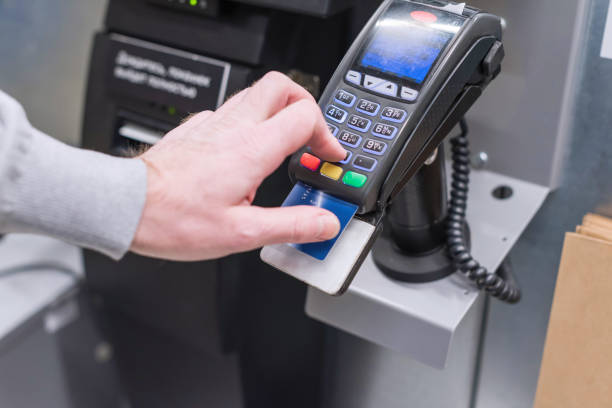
359, 123
393, 114
374, 147
345, 98
384, 131
367, 107
333, 129
349, 139
336, 114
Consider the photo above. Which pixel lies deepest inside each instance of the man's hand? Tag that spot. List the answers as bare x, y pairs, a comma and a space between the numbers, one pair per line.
203, 176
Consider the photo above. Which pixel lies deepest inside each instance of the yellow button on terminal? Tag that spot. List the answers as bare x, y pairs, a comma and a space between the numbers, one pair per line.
332, 171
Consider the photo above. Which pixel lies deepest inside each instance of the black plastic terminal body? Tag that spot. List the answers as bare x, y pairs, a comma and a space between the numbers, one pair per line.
454, 83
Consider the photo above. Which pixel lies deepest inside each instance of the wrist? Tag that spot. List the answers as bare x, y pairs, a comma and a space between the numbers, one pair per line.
147, 230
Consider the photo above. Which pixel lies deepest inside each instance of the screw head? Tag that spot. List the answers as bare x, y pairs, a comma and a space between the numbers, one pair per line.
480, 160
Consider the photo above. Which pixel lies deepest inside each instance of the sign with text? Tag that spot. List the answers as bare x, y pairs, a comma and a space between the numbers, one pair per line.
166, 76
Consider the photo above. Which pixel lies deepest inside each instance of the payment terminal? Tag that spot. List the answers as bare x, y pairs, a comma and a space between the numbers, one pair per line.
407, 80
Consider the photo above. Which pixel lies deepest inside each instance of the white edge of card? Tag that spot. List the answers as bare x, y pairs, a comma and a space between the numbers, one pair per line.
330, 274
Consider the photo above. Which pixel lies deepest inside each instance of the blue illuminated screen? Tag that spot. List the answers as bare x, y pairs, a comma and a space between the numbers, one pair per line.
404, 50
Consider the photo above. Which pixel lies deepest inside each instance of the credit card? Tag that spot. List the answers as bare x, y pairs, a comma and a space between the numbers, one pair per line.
303, 194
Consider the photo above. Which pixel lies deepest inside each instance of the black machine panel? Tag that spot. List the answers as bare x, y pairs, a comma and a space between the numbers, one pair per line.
320, 8
204, 7
150, 67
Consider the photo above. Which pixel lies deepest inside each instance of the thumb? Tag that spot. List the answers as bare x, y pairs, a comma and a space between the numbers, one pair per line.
299, 224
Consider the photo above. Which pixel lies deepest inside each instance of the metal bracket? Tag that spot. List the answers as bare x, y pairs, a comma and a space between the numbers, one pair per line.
421, 319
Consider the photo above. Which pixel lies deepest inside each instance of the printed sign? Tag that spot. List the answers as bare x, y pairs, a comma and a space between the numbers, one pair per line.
151, 72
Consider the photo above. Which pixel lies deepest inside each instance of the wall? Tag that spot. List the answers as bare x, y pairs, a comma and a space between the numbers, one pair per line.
515, 339
44, 52
525, 114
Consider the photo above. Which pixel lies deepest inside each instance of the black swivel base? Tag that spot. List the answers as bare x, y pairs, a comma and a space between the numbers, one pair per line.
409, 267
412, 247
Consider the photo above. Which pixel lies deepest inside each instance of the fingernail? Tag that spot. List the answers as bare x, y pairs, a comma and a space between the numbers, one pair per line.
329, 226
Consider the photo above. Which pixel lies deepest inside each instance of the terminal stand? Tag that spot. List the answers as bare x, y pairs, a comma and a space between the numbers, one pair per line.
412, 247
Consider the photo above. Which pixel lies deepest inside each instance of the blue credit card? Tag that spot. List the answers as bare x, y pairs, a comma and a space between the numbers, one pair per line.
303, 194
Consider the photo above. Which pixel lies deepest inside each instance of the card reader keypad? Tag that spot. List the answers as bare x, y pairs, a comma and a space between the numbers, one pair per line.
345, 98
393, 114
366, 127
310, 162
331, 171
367, 107
374, 147
382, 86
349, 139
365, 163
384, 131
336, 114
333, 129
359, 123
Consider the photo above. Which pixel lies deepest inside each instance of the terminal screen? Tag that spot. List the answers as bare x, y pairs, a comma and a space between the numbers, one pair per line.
404, 50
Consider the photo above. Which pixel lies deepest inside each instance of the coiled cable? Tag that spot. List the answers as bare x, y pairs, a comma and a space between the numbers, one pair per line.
492, 283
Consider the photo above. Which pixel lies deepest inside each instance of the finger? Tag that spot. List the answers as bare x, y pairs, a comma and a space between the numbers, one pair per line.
257, 226
297, 125
268, 96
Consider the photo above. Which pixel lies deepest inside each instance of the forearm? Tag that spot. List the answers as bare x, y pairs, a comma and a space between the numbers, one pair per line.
82, 197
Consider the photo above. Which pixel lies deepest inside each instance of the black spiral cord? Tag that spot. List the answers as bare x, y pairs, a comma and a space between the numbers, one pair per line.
493, 283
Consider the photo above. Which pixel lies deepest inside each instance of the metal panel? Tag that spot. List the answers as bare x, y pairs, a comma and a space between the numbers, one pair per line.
515, 339
367, 375
522, 120
421, 319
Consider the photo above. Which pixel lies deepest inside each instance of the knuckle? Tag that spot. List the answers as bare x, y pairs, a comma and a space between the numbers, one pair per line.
246, 233
278, 83
277, 78
298, 232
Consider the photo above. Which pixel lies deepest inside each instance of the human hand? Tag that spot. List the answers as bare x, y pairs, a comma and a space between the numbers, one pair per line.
203, 176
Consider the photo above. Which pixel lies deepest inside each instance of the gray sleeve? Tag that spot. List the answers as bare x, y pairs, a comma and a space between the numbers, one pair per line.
82, 197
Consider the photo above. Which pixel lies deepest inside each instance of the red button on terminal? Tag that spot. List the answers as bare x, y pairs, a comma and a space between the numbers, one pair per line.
424, 16
310, 162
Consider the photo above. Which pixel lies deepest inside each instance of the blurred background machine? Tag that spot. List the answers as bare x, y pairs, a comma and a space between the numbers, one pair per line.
234, 332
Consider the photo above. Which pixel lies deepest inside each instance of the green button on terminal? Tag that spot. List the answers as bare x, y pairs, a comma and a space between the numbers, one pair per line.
354, 179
